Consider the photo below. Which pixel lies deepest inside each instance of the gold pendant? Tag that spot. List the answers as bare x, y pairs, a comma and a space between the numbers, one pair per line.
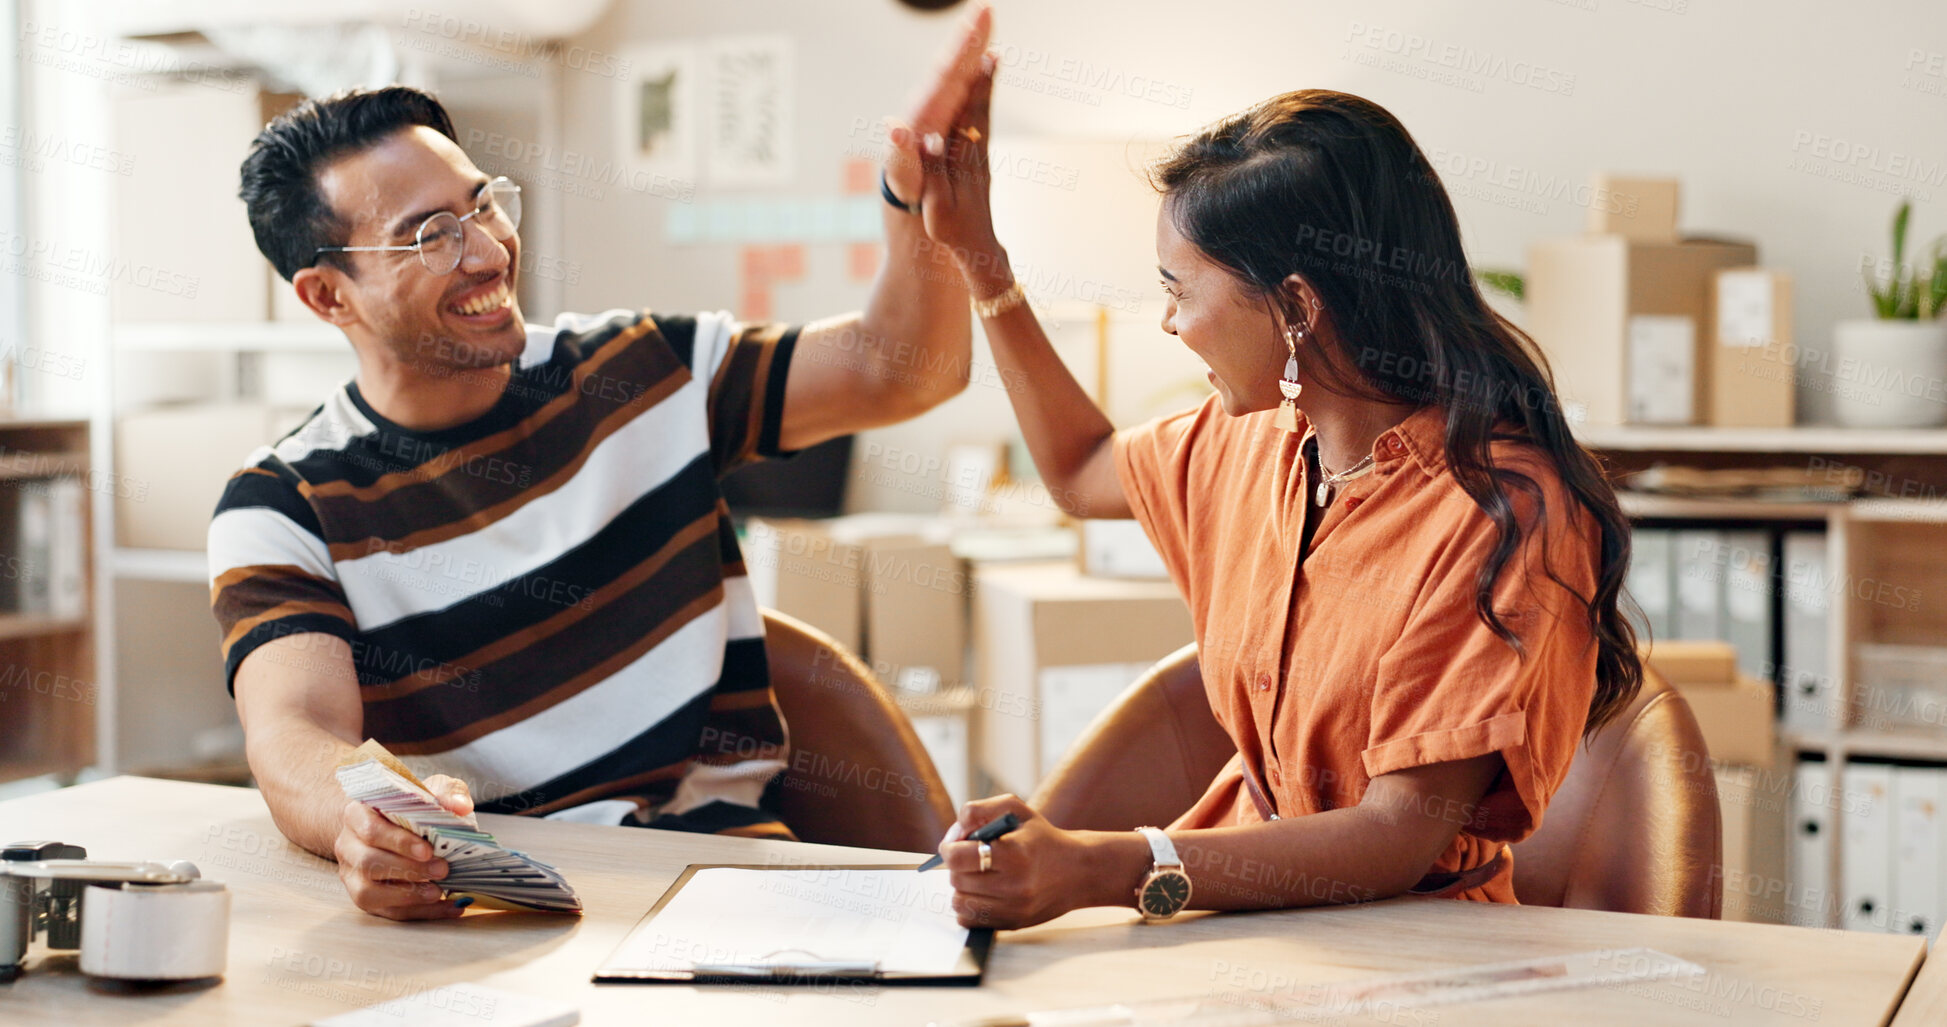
1287, 416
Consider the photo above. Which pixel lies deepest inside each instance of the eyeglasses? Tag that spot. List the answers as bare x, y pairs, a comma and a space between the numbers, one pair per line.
441, 239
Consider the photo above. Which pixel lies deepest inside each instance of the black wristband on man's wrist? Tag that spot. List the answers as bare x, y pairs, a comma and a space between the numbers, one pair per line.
886, 191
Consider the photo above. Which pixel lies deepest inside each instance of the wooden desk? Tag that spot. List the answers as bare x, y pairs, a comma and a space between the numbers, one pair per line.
1926, 1001
299, 950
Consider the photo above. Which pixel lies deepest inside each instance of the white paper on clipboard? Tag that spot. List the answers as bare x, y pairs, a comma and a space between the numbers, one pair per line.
891, 918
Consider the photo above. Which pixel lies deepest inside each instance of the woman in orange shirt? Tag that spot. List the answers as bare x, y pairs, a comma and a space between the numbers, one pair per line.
1402, 570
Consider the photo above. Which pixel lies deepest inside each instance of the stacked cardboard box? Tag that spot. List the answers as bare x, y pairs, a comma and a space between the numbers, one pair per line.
1628, 317
1118, 549
886, 586
1053, 648
173, 462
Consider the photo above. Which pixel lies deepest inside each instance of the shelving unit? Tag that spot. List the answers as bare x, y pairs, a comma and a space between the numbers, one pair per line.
1896, 534
1801, 440
229, 337
48, 687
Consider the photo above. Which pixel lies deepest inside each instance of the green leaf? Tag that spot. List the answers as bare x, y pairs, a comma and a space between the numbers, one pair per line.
1937, 280
1900, 219
1882, 298
1504, 281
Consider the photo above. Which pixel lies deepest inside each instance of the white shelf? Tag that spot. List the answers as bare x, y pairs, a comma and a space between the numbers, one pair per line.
1916, 511
1812, 439
1911, 745
231, 337
1645, 504
185, 565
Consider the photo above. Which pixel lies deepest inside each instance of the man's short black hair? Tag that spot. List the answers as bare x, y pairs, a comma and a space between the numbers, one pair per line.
287, 211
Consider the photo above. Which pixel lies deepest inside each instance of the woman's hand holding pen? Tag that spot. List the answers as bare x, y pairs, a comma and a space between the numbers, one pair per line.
1038, 871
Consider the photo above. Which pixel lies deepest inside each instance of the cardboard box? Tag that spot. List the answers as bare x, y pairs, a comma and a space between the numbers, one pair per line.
1634, 207
915, 613
1753, 805
179, 229
945, 724
797, 568
887, 587
1753, 383
173, 463
1052, 649
1737, 721
1899, 687
1589, 297
1119, 549
1696, 662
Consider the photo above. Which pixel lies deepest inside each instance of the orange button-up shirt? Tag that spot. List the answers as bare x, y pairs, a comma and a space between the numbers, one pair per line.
1368, 657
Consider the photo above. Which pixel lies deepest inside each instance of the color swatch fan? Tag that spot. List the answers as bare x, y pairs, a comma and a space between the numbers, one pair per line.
495, 877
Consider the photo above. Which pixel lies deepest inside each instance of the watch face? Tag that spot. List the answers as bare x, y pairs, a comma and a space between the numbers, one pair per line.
1166, 893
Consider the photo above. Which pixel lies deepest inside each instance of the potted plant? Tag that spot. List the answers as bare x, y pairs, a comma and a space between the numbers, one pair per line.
1890, 370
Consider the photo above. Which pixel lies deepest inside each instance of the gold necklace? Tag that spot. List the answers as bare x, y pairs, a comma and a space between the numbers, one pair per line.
1332, 481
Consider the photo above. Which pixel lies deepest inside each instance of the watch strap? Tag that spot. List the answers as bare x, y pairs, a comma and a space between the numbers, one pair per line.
1160, 847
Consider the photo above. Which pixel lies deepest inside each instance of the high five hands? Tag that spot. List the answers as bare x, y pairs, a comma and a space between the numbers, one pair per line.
937, 165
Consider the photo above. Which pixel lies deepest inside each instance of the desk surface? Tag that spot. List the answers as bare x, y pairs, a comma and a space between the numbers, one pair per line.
299, 950
1926, 1002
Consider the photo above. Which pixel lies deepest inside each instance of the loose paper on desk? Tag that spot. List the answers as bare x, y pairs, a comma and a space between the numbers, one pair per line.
1379, 999
460, 1005
900, 921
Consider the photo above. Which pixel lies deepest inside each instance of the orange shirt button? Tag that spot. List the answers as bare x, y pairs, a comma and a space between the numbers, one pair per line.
1276, 778
1264, 682
1351, 504
1393, 444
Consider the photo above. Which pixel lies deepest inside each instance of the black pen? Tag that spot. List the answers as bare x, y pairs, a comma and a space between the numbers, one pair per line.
984, 833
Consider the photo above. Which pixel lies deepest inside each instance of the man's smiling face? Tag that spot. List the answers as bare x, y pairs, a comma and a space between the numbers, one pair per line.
468, 317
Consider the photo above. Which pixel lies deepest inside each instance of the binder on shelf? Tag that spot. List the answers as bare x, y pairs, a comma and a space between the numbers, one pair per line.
1810, 893
1812, 698
1866, 845
1699, 584
1919, 815
1649, 582
1747, 599
67, 571
33, 545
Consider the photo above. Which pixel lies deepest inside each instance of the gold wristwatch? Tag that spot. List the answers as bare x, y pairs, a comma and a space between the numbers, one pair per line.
1166, 890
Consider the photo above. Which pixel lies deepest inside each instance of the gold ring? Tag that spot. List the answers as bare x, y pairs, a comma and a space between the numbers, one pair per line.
986, 857
969, 133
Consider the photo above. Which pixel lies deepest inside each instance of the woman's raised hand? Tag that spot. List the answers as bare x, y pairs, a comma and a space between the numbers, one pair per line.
938, 161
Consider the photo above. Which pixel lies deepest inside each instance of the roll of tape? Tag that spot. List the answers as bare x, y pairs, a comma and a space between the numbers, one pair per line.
155, 932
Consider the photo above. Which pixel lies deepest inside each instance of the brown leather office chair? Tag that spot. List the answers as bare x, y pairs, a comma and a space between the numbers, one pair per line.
857, 773
1633, 828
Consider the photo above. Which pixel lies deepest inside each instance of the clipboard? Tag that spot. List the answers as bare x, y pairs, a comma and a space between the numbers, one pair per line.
966, 972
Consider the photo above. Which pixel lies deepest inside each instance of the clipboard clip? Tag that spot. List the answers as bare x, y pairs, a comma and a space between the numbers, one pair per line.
818, 968
813, 966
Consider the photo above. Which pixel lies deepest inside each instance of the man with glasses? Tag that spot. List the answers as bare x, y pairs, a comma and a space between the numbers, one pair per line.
500, 549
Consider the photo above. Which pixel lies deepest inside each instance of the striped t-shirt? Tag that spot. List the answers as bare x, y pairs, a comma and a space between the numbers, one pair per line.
547, 602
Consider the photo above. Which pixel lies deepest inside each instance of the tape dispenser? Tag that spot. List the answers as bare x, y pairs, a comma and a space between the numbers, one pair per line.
132, 921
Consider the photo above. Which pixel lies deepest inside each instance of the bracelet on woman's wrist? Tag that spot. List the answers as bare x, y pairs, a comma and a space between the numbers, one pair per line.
1002, 302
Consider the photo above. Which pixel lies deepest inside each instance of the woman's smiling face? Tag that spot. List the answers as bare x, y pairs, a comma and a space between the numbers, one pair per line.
1229, 327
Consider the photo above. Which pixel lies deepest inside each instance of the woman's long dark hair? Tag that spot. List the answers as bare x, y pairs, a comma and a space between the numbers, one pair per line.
1332, 187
